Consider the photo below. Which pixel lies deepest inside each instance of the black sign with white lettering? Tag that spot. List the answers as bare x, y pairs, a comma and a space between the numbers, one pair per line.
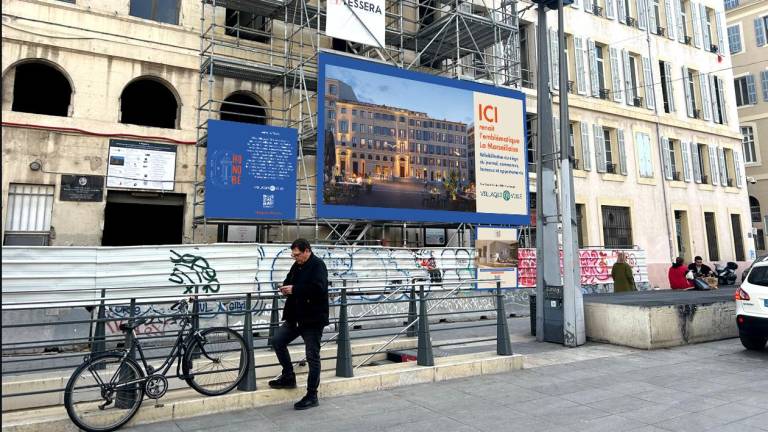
88, 188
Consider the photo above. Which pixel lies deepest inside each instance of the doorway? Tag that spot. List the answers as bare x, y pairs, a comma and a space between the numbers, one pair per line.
681, 234
143, 218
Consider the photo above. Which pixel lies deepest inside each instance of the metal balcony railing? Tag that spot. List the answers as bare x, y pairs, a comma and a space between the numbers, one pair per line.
661, 31
610, 168
632, 22
687, 40
637, 101
605, 93
597, 10
676, 176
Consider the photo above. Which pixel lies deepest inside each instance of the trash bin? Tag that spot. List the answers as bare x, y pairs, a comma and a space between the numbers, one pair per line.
532, 300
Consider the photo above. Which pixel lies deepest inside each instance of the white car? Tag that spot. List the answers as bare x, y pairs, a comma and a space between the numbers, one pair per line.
752, 307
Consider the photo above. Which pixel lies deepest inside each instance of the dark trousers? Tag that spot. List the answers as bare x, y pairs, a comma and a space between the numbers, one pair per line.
286, 334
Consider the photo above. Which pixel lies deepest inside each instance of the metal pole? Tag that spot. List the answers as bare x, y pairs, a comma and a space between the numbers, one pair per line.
249, 381
98, 343
343, 348
503, 343
424, 355
573, 305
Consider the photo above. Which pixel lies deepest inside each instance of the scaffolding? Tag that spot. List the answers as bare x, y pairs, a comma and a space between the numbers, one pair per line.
273, 45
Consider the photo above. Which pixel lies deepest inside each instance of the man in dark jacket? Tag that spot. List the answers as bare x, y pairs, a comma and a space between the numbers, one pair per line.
699, 268
305, 314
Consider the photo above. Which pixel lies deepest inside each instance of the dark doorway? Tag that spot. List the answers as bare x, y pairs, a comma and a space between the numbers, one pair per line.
738, 240
131, 220
241, 107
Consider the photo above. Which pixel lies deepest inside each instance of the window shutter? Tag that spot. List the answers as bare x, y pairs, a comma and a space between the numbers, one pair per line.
642, 14
738, 168
650, 89
721, 39
685, 147
723, 170
713, 96
706, 40
669, 13
581, 78
599, 147
593, 68
576, 4
751, 89
705, 102
670, 86
714, 174
621, 4
679, 21
610, 9
696, 24
687, 91
759, 31
764, 84
628, 90
618, 95
588, 6
622, 152
696, 161
666, 158
721, 99
586, 155
554, 59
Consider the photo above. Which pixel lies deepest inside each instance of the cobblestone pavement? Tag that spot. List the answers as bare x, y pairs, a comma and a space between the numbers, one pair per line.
716, 386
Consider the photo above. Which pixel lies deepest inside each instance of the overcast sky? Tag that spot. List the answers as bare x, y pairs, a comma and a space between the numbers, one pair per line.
439, 102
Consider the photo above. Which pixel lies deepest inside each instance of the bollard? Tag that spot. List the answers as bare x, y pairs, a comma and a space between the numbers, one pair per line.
125, 398
99, 344
503, 344
249, 380
411, 332
343, 348
274, 319
424, 356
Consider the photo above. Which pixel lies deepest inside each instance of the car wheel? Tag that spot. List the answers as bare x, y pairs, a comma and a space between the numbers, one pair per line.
752, 342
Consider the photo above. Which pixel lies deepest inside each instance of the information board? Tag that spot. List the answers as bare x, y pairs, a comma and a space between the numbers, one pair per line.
85, 188
141, 165
251, 171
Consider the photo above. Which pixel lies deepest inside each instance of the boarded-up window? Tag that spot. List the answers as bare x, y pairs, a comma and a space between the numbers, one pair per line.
617, 227
28, 220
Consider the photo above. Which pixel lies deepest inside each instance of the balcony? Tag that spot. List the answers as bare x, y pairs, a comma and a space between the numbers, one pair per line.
571, 87
696, 113
637, 101
661, 31
687, 40
610, 168
676, 176
597, 10
714, 49
605, 93
631, 21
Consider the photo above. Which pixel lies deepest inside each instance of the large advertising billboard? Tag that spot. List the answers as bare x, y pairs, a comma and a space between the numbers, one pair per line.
408, 146
250, 171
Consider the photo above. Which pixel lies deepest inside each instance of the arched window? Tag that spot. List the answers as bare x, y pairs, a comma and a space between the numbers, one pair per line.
148, 102
754, 206
243, 107
40, 88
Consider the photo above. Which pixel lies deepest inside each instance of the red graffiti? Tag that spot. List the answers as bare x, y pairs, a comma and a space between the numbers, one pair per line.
595, 265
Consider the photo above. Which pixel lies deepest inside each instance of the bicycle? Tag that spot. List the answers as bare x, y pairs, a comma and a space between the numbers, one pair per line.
107, 389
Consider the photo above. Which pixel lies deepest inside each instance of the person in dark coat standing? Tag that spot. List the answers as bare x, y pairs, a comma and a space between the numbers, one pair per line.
621, 272
305, 314
677, 279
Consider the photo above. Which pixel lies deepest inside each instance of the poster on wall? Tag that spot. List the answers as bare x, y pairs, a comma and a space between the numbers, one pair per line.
407, 146
496, 257
83, 188
435, 237
251, 171
141, 165
356, 20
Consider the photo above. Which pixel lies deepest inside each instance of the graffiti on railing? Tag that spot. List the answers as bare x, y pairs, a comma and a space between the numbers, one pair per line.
194, 273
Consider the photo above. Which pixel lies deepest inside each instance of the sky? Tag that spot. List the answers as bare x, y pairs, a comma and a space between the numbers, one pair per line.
439, 102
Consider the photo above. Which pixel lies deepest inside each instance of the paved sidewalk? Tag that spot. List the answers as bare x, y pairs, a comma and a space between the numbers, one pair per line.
715, 386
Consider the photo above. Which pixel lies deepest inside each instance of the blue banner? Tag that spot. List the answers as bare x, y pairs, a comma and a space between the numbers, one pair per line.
251, 171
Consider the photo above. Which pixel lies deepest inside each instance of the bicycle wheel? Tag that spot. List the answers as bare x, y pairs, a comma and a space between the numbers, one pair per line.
102, 394
216, 362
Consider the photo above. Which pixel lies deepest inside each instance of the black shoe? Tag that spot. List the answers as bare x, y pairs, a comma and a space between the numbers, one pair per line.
307, 402
284, 382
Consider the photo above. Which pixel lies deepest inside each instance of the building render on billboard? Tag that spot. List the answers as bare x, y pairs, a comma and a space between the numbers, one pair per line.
654, 128
655, 133
748, 42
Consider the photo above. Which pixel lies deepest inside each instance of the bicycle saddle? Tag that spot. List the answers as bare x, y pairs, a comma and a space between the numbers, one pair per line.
132, 324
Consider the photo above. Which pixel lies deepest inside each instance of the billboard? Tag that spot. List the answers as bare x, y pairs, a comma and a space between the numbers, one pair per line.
407, 146
356, 20
141, 165
250, 171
